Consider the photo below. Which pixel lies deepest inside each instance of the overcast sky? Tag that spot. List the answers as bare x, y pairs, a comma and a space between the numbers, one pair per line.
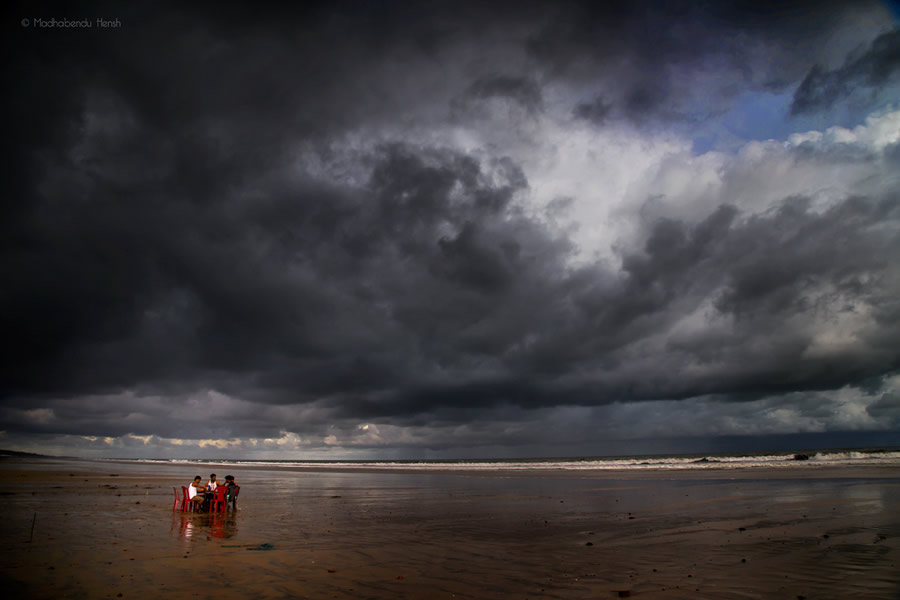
450, 229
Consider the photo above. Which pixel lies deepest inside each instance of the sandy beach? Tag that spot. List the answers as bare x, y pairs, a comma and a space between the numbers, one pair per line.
84, 529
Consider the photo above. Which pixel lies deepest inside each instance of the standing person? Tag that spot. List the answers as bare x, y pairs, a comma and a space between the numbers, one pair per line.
196, 490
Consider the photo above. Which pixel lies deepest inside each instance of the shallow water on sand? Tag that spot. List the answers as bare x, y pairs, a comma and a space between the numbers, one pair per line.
102, 530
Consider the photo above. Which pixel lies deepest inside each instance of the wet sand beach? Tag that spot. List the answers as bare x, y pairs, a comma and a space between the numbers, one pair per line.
84, 529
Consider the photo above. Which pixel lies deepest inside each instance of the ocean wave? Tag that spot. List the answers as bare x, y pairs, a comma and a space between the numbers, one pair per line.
822, 458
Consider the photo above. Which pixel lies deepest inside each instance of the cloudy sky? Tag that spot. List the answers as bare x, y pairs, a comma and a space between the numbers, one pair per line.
450, 229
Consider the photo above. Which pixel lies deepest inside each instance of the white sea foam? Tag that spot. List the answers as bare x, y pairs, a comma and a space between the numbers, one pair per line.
822, 459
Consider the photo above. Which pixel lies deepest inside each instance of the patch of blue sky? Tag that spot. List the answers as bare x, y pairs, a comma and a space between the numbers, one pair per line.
894, 7
753, 116
760, 115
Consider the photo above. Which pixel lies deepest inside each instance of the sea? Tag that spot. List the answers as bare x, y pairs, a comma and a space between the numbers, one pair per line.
885, 457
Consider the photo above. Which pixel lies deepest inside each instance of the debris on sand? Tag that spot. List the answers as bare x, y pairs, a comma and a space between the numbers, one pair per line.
262, 547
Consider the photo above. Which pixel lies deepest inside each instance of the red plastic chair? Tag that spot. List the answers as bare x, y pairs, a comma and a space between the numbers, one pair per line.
218, 498
177, 500
187, 505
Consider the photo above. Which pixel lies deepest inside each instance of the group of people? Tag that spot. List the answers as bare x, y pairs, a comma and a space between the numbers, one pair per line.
202, 494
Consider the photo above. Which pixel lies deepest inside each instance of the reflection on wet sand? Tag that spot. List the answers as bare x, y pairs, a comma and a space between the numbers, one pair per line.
214, 525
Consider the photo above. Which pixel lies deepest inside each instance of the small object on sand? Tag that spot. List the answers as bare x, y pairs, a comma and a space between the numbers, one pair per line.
400, 577
624, 593
332, 570
263, 547
589, 544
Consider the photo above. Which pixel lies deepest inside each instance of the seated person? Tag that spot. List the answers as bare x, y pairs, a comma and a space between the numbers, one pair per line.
212, 484
233, 489
196, 491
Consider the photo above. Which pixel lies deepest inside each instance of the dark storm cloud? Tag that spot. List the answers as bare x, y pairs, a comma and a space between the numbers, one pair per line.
187, 214
495, 338
522, 90
878, 66
597, 111
887, 407
652, 57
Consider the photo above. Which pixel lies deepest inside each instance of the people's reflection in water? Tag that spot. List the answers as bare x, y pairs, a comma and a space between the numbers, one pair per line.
185, 525
216, 525
222, 525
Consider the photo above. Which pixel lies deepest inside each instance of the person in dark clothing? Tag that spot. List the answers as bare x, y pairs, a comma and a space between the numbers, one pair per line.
233, 490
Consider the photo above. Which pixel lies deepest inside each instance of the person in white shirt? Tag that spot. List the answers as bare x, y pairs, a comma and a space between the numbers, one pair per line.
212, 484
195, 491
